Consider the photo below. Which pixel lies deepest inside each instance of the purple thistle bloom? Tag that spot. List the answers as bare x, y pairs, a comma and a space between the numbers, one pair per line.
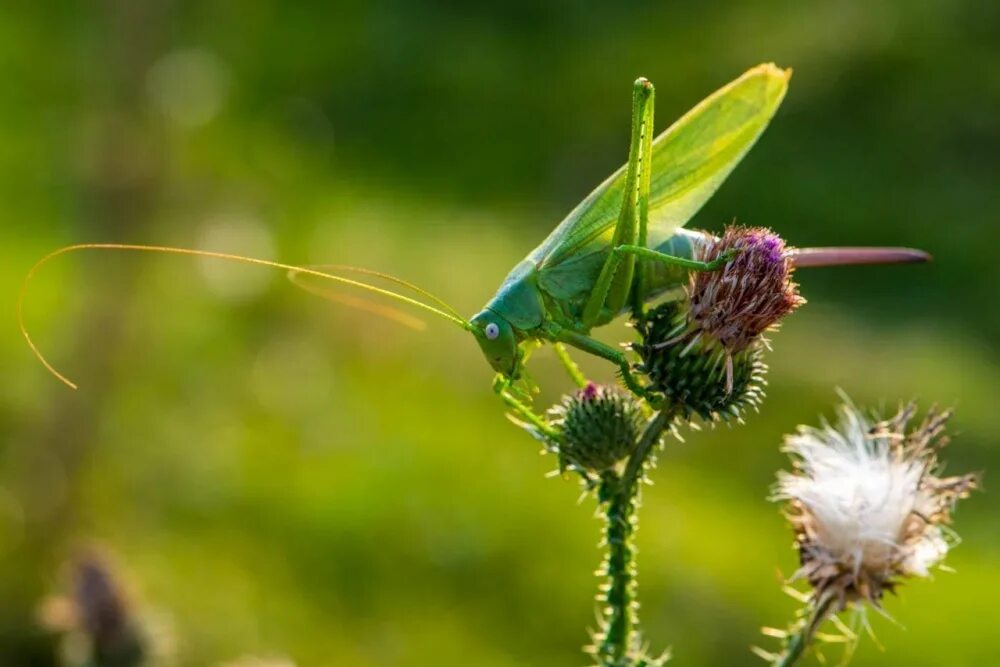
750, 294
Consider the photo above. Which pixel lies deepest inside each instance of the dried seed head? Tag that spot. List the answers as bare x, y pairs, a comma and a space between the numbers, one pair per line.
748, 296
103, 611
253, 661
695, 373
600, 426
97, 612
866, 504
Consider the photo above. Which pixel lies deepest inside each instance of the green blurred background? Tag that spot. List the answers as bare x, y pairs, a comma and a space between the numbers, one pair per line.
280, 477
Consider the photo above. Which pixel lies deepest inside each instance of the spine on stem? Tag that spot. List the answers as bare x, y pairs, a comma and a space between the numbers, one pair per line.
618, 594
618, 643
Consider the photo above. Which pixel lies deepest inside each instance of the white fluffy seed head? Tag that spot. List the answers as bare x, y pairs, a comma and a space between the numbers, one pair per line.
865, 503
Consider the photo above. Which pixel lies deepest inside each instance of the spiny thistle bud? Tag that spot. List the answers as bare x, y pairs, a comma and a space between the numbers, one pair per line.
699, 375
704, 353
866, 504
600, 426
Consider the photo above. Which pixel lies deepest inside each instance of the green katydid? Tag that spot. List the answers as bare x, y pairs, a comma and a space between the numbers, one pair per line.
620, 248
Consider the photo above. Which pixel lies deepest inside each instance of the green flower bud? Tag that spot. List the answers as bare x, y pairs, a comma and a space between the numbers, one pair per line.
698, 374
600, 426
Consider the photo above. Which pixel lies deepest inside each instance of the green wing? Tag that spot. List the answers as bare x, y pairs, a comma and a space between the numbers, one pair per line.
690, 161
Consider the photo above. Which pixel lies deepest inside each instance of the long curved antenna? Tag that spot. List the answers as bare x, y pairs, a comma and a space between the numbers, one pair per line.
450, 316
809, 257
359, 303
336, 268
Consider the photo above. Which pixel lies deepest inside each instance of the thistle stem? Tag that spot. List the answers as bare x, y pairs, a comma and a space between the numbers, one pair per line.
619, 618
618, 594
637, 462
800, 641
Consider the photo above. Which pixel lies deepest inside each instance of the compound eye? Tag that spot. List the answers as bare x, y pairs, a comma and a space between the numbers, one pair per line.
492, 331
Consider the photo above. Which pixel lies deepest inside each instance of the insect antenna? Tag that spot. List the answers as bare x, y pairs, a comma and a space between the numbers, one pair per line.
347, 268
444, 311
360, 303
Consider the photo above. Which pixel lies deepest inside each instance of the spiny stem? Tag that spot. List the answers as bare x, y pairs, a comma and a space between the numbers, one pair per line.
618, 594
799, 642
619, 616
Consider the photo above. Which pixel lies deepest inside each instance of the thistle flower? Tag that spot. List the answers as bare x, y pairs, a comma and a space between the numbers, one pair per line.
866, 503
600, 426
704, 352
749, 295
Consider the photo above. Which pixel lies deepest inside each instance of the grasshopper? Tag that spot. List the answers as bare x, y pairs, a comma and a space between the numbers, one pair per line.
624, 245
619, 249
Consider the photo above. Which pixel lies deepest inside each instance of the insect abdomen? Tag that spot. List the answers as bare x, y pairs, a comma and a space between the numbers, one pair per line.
662, 277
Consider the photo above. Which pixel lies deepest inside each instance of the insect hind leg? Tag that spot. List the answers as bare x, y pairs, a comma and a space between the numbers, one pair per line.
613, 285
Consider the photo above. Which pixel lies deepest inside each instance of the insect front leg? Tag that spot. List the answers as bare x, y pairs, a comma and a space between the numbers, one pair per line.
597, 348
502, 387
574, 371
614, 282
